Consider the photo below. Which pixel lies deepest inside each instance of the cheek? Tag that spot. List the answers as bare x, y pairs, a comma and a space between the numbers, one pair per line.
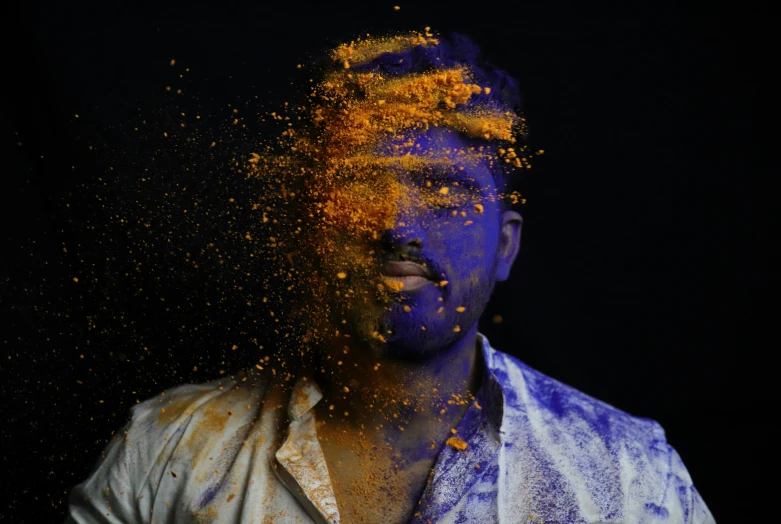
465, 245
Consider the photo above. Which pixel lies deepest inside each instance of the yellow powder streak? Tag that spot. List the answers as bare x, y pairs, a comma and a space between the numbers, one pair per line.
362, 51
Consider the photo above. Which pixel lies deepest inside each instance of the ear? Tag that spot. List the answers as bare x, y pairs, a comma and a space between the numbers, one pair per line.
509, 244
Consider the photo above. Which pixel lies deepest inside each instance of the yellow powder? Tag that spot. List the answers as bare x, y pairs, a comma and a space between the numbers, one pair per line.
456, 443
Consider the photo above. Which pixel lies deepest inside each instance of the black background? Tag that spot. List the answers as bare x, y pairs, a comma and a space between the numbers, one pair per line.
645, 276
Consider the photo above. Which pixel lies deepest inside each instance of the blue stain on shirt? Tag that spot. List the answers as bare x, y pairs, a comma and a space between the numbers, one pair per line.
555, 453
658, 511
209, 494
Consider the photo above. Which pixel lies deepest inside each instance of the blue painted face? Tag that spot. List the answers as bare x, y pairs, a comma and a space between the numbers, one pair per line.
448, 245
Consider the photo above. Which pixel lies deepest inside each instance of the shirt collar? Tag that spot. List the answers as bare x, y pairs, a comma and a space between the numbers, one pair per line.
300, 464
491, 390
306, 394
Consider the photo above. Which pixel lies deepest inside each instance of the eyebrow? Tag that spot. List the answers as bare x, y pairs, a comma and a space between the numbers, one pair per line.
461, 176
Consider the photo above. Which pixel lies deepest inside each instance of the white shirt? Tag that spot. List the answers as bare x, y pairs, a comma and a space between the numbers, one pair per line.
245, 449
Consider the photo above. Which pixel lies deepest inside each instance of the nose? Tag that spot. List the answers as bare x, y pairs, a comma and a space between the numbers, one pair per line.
406, 236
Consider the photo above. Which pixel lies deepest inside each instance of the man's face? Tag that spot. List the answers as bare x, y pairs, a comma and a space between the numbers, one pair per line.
431, 235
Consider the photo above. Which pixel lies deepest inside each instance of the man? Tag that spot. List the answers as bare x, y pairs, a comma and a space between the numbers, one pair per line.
386, 404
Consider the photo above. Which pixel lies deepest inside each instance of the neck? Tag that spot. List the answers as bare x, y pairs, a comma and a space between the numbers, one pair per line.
398, 399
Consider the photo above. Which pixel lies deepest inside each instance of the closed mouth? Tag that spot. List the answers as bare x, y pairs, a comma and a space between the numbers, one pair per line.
405, 269
406, 276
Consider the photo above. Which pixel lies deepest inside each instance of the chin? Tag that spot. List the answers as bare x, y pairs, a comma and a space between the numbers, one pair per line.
418, 347
409, 342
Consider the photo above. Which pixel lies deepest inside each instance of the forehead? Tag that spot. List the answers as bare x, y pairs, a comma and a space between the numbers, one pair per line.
437, 142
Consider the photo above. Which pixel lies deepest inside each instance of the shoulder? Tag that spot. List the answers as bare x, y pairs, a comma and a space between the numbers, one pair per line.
566, 406
609, 464
163, 415
130, 471
192, 419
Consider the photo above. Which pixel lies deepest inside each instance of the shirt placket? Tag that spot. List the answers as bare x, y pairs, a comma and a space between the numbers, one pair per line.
456, 471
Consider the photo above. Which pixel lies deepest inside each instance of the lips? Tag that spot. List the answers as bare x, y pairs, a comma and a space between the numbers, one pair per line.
405, 269
409, 275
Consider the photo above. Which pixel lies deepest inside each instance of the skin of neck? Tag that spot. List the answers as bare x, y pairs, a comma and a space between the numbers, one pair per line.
398, 400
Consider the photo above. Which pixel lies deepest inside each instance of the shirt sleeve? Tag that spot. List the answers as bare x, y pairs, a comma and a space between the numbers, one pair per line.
108, 496
124, 484
683, 496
